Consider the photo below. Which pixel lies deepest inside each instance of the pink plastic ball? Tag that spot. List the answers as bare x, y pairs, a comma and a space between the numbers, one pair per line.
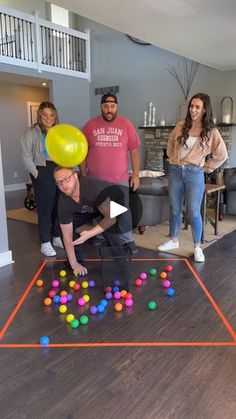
138, 282
117, 295
166, 283
143, 276
81, 302
55, 283
129, 302
63, 299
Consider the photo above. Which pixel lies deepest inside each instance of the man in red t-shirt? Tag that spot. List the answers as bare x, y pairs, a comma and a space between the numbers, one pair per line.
112, 139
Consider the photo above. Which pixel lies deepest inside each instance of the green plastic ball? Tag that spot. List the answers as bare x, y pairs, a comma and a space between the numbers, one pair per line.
153, 271
74, 323
152, 305
84, 319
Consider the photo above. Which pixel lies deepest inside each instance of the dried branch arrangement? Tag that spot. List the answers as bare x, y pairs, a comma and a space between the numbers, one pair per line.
184, 72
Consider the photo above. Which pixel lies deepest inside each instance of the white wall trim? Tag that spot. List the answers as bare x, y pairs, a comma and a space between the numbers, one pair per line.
6, 258
14, 187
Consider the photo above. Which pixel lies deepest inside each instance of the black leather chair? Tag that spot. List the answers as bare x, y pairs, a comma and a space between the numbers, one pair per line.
230, 191
149, 205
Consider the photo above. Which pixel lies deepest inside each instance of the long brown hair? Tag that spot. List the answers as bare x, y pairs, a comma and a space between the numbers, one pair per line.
41, 108
207, 121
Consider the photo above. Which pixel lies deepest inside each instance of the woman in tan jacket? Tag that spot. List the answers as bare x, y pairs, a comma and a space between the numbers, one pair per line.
195, 146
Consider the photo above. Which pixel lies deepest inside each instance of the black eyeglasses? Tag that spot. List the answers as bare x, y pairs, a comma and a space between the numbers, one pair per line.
65, 180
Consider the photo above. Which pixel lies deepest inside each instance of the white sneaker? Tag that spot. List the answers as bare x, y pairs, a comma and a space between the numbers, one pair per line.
170, 244
198, 255
57, 242
47, 249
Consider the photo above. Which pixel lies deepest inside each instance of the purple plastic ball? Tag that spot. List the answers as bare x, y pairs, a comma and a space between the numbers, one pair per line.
117, 283
93, 310
91, 283
108, 295
69, 297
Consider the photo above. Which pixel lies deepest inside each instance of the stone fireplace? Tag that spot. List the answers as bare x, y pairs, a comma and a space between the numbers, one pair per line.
155, 142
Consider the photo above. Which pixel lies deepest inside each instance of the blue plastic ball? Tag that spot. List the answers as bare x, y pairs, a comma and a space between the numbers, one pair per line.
44, 341
56, 299
104, 303
170, 292
100, 308
117, 283
114, 289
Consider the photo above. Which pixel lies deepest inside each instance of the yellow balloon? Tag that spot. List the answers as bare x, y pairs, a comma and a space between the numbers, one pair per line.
66, 145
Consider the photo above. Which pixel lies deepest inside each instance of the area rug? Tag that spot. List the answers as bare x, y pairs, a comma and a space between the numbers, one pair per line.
158, 234
23, 214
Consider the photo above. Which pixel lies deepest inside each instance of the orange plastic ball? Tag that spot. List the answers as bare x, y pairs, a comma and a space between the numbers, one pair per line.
63, 293
123, 293
47, 301
163, 275
39, 283
118, 306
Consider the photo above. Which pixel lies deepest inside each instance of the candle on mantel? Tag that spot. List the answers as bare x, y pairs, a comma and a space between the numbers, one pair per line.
226, 119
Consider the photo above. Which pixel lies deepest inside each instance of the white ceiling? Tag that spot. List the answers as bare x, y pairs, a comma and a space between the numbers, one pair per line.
202, 30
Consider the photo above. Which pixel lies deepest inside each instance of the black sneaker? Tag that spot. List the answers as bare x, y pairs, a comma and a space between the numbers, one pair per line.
132, 247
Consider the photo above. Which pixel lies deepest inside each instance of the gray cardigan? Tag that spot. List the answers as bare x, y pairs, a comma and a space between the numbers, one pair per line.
32, 150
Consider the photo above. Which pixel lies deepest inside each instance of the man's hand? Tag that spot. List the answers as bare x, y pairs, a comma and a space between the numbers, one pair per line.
84, 235
134, 182
79, 269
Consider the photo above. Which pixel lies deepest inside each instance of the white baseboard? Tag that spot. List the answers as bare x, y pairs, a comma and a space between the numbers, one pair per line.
14, 187
6, 258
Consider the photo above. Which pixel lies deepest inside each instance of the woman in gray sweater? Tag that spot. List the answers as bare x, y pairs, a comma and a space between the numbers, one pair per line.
38, 163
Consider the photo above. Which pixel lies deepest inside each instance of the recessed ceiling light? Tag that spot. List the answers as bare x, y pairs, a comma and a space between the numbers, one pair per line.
44, 84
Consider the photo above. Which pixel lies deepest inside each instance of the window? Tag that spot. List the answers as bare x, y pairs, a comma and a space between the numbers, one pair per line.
59, 15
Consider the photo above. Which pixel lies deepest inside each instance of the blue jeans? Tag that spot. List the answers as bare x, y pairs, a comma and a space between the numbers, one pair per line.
186, 183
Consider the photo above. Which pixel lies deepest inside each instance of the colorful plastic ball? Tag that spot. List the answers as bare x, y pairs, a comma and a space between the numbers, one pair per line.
117, 295
72, 284
169, 268
55, 283
138, 282
143, 276
39, 283
153, 271
84, 319
69, 318
63, 309
56, 299
108, 295
166, 283
114, 289
84, 284
81, 302
66, 145
74, 323
76, 287
152, 305
62, 273
170, 292
163, 275
123, 293
118, 307
108, 289
63, 299
116, 283
104, 303
129, 302
129, 295
100, 308
91, 283
69, 297
86, 298
47, 301
63, 293
93, 310
52, 293
44, 341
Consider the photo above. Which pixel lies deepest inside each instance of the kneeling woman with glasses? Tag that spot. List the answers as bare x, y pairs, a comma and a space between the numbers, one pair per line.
195, 146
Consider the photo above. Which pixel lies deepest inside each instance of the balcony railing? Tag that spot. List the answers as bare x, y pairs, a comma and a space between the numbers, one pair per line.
29, 41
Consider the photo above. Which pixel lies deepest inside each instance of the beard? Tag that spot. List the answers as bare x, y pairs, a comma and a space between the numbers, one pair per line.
109, 116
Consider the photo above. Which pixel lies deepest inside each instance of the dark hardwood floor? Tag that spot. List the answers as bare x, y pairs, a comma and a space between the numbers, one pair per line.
190, 373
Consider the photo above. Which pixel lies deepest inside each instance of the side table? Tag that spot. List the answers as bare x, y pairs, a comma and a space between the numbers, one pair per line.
209, 190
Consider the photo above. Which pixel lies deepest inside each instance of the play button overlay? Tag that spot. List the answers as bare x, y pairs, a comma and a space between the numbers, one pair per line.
116, 209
